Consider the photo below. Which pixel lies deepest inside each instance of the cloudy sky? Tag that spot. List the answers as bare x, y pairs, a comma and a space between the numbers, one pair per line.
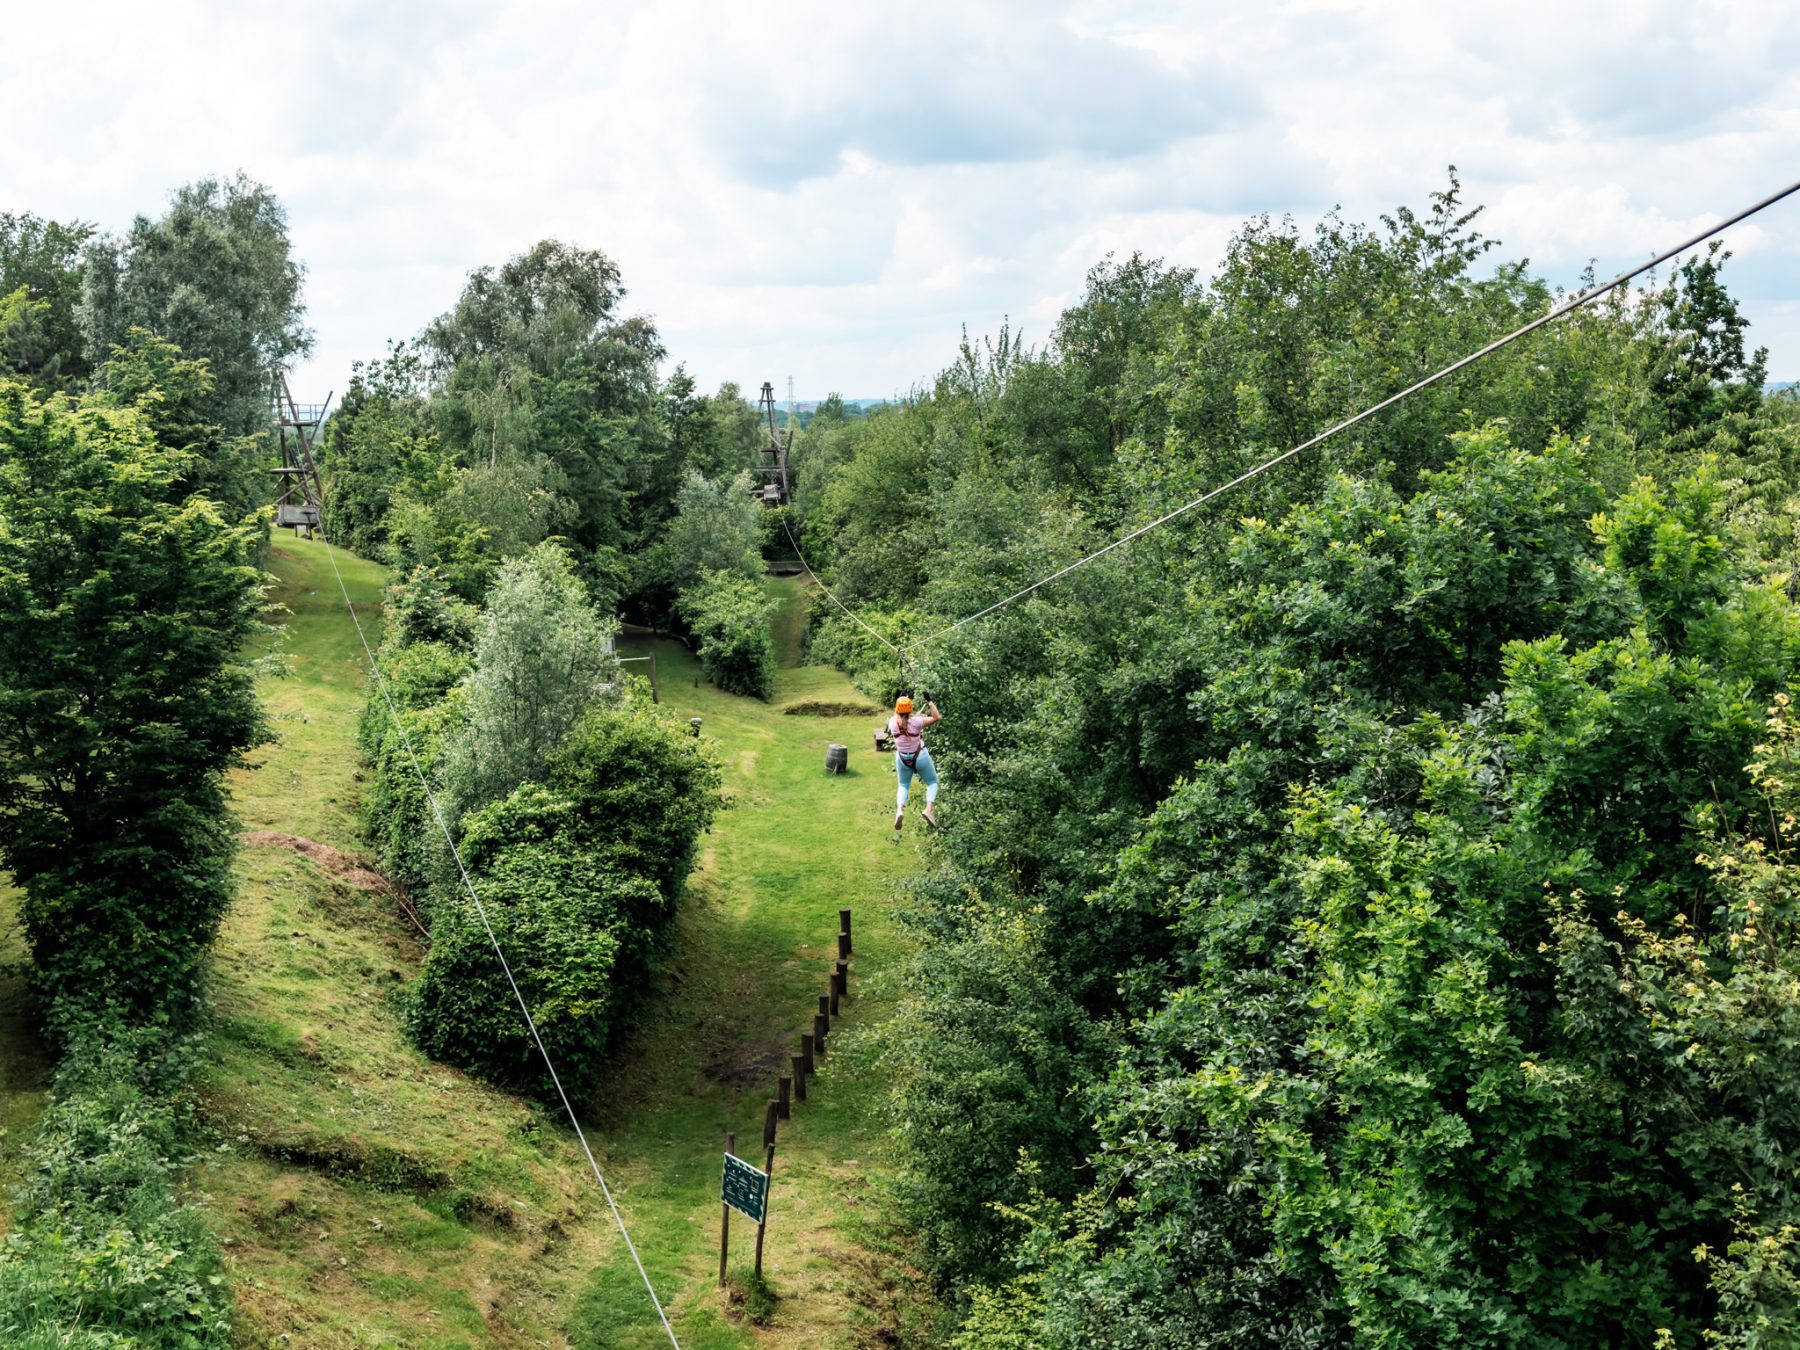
831, 190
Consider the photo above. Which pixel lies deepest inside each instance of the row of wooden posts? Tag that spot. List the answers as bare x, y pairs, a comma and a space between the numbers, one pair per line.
791, 1088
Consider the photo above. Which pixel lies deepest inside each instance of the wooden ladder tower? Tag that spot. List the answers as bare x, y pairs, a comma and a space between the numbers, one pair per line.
299, 496
773, 490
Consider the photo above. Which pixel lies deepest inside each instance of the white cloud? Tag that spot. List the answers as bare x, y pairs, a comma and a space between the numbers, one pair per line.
832, 190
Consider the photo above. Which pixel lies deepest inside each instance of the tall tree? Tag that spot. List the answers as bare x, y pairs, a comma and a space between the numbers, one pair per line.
216, 276
125, 695
542, 655
535, 360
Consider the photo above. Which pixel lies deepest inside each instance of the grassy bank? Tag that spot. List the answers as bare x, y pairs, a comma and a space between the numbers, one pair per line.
368, 1197
25, 1061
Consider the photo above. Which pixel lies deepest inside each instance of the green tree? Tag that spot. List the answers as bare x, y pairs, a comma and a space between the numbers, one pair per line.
536, 360
175, 396
578, 935
729, 613
215, 276
542, 656
42, 340
125, 695
1705, 370
381, 426
717, 528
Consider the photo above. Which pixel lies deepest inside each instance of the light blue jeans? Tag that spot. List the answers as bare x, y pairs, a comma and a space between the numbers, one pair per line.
927, 772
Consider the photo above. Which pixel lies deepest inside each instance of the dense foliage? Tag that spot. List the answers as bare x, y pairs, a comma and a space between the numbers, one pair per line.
729, 615
103, 1255
575, 808
532, 411
579, 878
127, 601
542, 655
1321, 953
215, 276
128, 595
40, 289
125, 695
577, 930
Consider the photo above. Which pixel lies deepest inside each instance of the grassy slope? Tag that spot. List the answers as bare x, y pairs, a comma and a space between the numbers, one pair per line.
25, 1062
367, 1197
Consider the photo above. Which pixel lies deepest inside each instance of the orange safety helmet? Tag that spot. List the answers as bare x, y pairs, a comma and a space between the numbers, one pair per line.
902, 706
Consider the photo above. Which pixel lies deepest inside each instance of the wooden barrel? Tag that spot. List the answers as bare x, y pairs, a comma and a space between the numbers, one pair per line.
837, 759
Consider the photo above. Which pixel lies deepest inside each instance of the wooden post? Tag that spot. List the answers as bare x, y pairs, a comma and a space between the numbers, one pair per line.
819, 1020
800, 1077
844, 928
783, 1085
806, 1055
825, 1003
835, 991
654, 696
843, 946
769, 1117
725, 1213
769, 1167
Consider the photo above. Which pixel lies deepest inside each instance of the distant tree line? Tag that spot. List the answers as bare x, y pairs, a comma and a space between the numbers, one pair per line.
1370, 916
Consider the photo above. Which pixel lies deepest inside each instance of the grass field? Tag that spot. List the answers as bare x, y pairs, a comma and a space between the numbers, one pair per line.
25, 1061
367, 1197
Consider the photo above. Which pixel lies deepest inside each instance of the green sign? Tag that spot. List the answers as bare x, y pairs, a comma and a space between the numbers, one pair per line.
745, 1189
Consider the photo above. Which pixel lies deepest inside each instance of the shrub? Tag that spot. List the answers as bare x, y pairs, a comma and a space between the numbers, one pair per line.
102, 1255
396, 811
564, 922
417, 675
835, 640
578, 879
729, 614
642, 788
423, 609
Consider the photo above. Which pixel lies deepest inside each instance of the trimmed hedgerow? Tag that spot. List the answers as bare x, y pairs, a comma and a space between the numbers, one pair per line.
576, 935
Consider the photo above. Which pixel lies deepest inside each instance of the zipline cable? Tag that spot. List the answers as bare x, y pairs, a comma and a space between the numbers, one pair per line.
481, 912
828, 595
1568, 306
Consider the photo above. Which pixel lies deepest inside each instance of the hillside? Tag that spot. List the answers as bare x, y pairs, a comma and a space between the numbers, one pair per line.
368, 1197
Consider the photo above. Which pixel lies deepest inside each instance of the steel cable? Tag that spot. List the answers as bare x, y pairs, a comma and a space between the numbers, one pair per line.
505, 966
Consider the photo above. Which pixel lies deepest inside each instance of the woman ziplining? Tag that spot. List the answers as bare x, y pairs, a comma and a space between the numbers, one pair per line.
907, 731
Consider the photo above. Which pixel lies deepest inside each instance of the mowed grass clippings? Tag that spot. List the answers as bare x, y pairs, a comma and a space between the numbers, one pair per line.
366, 1196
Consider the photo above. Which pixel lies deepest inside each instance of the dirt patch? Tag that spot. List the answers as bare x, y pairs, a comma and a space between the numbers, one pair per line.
345, 867
742, 1066
821, 708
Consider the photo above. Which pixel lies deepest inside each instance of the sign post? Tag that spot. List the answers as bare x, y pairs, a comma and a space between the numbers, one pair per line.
768, 1171
745, 1188
725, 1209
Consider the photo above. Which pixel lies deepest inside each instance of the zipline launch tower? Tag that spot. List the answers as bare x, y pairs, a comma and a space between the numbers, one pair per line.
774, 489
298, 495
